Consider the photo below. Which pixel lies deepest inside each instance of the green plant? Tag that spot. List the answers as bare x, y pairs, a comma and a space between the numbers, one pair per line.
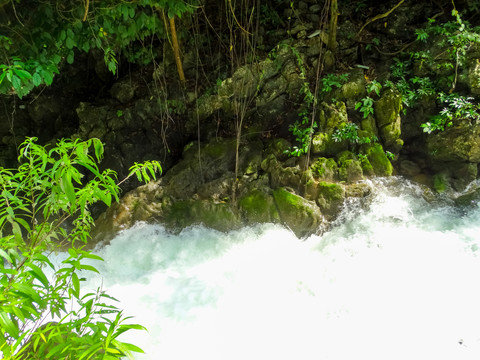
349, 132
303, 129
47, 316
390, 155
374, 86
40, 36
365, 106
333, 80
455, 107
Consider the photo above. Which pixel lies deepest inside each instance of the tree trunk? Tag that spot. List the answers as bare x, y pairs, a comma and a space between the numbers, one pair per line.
176, 50
332, 37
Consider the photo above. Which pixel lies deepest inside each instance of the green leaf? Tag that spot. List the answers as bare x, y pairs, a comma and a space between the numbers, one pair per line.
67, 186
70, 57
76, 285
97, 144
4, 255
47, 76
37, 273
8, 325
22, 74
37, 79
16, 83
70, 43
88, 268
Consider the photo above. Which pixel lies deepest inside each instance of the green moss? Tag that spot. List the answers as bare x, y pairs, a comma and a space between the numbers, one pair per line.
220, 148
344, 156
324, 168
302, 216
350, 169
367, 168
258, 207
379, 161
330, 191
388, 108
219, 216
277, 147
330, 197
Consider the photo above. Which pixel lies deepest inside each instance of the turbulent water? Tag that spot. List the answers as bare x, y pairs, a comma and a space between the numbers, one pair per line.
397, 277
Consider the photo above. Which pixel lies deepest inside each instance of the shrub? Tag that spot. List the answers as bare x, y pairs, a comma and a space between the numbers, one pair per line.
44, 205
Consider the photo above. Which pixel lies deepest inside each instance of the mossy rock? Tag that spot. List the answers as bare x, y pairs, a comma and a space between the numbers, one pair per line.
323, 144
258, 207
220, 148
279, 175
367, 167
331, 116
330, 198
278, 148
379, 160
387, 114
388, 107
300, 215
218, 216
324, 169
243, 83
350, 169
353, 90
357, 190
369, 127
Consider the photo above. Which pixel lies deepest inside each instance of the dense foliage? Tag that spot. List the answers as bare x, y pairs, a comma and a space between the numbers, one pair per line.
44, 206
38, 36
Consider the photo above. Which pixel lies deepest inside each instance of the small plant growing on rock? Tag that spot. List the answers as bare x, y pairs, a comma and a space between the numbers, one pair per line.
350, 133
455, 107
333, 80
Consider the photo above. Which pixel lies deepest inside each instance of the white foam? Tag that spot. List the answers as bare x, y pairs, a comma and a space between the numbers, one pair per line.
397, 281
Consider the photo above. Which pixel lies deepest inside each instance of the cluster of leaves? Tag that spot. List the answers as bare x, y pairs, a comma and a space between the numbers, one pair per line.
455, 107
365, 106
456, 37
349, 132
303, 129
41, 35
332, 80
43, 313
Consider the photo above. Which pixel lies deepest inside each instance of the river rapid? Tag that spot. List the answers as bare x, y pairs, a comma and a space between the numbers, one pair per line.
396, 277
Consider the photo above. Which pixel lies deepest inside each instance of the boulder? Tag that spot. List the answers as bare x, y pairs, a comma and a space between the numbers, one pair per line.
258, 206
381, 165
300, 215
387, 115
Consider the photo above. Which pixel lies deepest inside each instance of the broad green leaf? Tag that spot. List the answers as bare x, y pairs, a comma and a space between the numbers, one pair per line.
8, 325
16, 83
98, 146
47, 77
127, 347
22, 74
70, 57
67, 186
4, 255
76, 285
88, 268
38, 273
89, 255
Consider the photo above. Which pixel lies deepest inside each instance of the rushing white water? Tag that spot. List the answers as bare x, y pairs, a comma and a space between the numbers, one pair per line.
395, 278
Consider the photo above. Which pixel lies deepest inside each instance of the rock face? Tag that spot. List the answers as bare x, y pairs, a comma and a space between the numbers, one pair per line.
201, 189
